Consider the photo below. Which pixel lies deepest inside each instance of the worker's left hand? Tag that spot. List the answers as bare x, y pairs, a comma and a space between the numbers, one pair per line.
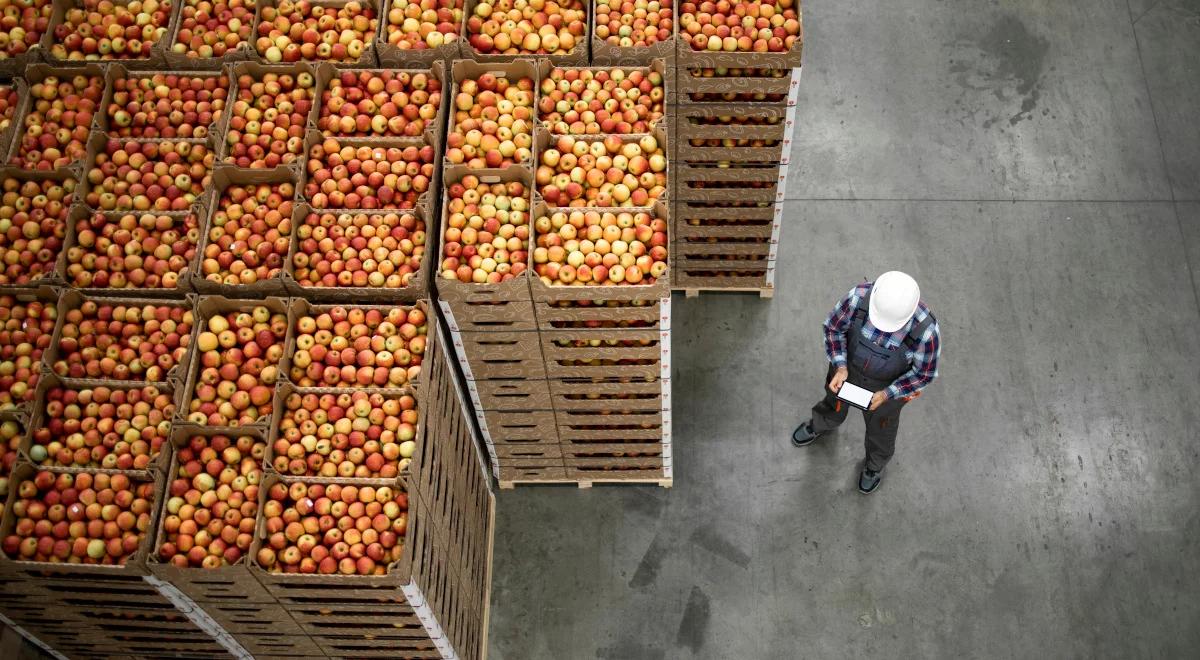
878, 399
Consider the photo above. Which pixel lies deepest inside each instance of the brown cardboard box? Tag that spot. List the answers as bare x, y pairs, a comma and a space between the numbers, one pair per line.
21, 89
687, 57
607, 54
567, 314
507, 451
578, 56
257, 70
657, 64
551, 470
393, 57
616, 469
15, 65
181, 61
543, 140
500, 354
512, 394
99, 143
437, 70
365, 61
600, 450
514, 71
36, 72
313, 138
58, 17
515, 426
119, 71
48, 296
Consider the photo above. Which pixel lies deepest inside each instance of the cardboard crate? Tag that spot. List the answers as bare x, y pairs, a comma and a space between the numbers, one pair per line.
577, 56
58, 17
47, 296
607, 361
618, 469
525, 451
686, 56
12, 65
747, 84
436, 70
520, 471
73, 253
365, 61
486, 355
507, 306
584, 396
215, 588
754, 183
646, 66
72, 299
265, 625
35, 72
696, 221
256, 71
299, 307
118, 71
17, 89
609, 54
515, 426
510, 394
207, 306
184, 61
313, 140
419, 285
577, 313
601, 450
391, 56
37, 420
710, 132
42, 273
514, 71
99, 142
544, 139
741, 248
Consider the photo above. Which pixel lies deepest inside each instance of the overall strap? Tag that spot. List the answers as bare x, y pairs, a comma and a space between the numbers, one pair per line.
918, 330
860, 311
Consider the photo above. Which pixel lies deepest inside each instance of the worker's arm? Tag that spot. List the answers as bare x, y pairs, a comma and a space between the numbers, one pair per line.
839, 322
924, 366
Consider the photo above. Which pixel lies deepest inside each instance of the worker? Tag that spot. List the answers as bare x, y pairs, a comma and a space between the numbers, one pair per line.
883, 338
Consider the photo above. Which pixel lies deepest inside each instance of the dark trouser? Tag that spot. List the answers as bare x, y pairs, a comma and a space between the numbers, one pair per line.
882, 423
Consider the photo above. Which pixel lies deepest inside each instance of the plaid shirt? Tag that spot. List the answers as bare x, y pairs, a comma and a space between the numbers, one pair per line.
924, 359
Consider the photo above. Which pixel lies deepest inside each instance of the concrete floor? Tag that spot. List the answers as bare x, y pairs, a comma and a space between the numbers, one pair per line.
1036, 166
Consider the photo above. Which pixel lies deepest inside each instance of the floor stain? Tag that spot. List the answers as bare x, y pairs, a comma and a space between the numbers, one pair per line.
1009, 63
720, 546
629, 650
693, 629
647, 570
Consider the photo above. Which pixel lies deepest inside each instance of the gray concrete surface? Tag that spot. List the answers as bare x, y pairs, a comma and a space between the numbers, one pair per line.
1036, 165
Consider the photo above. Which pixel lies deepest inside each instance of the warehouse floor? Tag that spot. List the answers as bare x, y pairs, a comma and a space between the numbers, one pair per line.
1036, 166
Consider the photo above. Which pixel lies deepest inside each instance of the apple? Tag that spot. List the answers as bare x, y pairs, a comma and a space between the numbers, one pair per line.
81, 518
56, 128
423, 24
212, 501
108, 30
601, 248
249, 233
594, 101
213, 28
8, 105
33, 214
237, 367
376, 250
613, 172
543, 27
131, 250
351, 434
26, 330
760, 26
23, 26
492, 123
145, 176
165, 105
114, 429
379, 104
356, 347
636, 24
362, 535
486, 238
102, 340
294, 30
268, 118
346, 177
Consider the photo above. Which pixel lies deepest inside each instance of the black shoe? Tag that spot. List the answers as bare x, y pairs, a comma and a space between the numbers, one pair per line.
868, 481
804, 434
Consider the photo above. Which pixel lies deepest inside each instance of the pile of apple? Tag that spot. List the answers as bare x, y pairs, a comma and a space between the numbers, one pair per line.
56, 128
238, 365
591, 102
100, 339
24, 24
514, 27
602, 173
105, 29
633, 23
423, 24
212, 28
486, 238
759, 26
377, 250
600, 248
268, 119
292, 30
33, 218
10, 441
165, 105
8, 105
80, 518
353, 347
493, 122
131, 250
351, 434
26, 329
212, 501
727, 143
249, 233
332, 529
144, 176
346, 177
379, 104
102, 427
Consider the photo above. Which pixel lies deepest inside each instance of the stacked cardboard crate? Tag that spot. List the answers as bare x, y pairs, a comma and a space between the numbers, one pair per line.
733, 132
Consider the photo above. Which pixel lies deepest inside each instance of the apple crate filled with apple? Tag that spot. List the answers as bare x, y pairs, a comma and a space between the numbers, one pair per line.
418, 33
27, 322
33, 211
11, 94
367, 174
54, 119
492, 114
166, 105
20, 43
132, 31
500, 30
381, 103
633, 32
341, 31
627, 171
732, 33
710, 235
269, 112
617, 100
734, 132
145, 175
207, 34
144, 253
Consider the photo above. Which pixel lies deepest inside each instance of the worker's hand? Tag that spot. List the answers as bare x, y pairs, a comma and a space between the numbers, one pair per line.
839, 377
878, 399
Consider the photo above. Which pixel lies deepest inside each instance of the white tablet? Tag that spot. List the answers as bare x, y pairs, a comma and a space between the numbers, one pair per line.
855, 395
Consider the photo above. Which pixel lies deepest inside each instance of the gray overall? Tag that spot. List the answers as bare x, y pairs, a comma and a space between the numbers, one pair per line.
872, 367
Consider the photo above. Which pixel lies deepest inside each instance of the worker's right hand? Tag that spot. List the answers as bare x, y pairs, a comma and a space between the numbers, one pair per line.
839, 377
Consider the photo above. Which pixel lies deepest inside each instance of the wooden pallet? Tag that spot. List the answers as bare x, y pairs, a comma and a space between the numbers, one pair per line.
665, 483
766, 292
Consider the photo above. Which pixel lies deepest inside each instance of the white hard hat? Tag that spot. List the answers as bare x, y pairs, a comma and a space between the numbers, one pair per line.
893, 301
